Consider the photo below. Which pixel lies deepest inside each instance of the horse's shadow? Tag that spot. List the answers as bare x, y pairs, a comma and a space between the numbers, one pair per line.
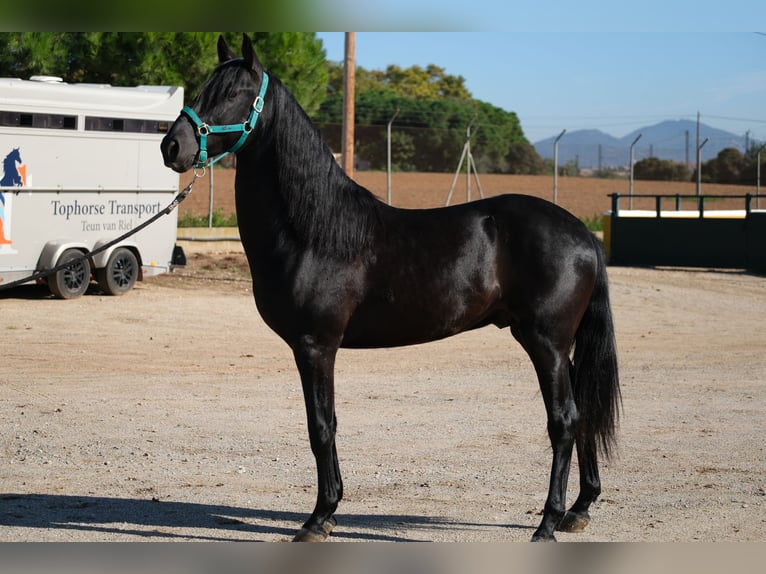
154, 520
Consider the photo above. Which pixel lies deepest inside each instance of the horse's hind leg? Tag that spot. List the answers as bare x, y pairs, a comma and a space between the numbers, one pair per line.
316, 365
551, 362
577, 517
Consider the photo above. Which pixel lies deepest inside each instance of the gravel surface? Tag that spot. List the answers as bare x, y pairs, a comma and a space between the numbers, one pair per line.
173, 413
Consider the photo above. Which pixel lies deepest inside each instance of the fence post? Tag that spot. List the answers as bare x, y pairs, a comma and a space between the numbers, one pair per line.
615, 204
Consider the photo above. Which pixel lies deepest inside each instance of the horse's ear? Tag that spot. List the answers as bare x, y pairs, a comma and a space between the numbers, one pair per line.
224, 54
248, 53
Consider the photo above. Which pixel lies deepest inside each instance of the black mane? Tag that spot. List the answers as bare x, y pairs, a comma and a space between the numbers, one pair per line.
326, 209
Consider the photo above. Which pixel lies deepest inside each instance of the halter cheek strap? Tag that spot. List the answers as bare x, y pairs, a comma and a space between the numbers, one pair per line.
203, 129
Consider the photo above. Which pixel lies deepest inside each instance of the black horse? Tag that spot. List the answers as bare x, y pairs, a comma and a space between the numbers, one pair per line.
332, 266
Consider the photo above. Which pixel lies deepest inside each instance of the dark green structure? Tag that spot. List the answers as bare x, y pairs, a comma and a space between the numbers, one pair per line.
725, 239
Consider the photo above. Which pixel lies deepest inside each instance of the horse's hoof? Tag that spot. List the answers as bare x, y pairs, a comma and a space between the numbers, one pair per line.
574, 522
308, 535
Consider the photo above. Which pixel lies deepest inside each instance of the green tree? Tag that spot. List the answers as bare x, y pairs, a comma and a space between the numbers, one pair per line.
430, 124
652, 168
164, 58
299, 60
496, 131
522, 159
427, 83
134, 58
23, 54
727, 167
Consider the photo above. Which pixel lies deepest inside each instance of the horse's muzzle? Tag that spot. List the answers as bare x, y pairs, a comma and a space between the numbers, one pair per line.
179, 146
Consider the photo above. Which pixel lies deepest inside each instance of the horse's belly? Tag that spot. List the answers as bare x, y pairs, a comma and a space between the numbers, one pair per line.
410, 324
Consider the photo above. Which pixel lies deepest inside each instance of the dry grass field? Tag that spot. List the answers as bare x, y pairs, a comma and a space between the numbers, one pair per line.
583, 196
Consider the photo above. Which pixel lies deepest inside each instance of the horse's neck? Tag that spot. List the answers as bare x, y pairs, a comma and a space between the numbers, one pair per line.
289, 183
300, 150
307, 175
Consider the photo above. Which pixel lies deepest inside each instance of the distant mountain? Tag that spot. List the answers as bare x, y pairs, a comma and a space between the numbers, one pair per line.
672, 139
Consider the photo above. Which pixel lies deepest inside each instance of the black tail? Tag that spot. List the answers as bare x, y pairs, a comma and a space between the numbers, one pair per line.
594, 378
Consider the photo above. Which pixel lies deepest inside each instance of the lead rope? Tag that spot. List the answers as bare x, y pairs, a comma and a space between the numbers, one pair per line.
171, 206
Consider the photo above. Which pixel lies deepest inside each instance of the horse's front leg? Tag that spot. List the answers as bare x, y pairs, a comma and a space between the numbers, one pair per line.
316, 364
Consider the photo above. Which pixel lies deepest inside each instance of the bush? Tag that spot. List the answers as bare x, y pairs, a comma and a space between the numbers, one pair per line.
219, 220
655, 169
595, 222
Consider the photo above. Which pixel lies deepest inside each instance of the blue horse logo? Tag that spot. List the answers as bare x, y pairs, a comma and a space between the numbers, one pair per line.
11, 178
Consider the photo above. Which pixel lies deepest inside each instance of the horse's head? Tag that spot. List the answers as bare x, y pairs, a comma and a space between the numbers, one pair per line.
14, 156
222, 116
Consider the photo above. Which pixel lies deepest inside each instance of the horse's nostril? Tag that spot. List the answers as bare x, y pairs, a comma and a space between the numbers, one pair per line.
170, 150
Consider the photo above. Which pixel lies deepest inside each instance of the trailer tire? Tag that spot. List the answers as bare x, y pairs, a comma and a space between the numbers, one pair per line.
120, 274
70, 282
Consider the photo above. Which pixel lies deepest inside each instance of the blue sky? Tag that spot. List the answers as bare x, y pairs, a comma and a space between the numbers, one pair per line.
615, 81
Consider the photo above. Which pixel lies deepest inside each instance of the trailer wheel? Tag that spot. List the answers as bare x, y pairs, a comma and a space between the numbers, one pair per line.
70, 282
120, 273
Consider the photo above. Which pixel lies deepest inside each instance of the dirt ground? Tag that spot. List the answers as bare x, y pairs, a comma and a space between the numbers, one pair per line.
173, 413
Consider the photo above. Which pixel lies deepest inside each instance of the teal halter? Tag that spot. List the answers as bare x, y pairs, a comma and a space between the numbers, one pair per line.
203, 129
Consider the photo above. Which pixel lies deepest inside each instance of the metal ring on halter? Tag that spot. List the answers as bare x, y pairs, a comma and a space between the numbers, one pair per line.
201, 172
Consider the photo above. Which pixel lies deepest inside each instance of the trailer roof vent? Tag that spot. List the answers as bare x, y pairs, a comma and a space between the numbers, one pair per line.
48, 79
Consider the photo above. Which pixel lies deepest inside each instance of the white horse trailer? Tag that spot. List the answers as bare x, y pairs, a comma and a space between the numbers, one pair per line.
81, 166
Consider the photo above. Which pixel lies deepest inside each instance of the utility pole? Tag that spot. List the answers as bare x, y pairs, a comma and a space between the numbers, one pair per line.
699, 166
388, 156
347, 144
600, 158
556, 167
632, 162
698, 141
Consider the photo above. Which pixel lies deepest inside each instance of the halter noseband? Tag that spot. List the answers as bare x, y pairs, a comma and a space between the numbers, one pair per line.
203, 129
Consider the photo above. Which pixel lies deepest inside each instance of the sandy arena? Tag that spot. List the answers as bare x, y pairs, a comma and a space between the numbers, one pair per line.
173, 413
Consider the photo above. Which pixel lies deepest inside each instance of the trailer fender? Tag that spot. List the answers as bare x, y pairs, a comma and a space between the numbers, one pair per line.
100, 259
52, 250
